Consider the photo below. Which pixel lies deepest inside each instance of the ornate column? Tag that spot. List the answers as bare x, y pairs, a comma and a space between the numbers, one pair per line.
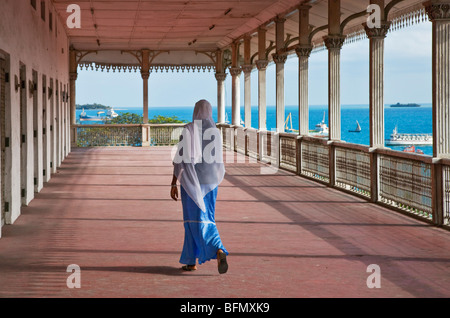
235, 72
376, 90
247, 69
73, 75
220, 77
279, 58
261, 64
235, 95
334, 44
145, 74
376, 37
439, 14
303, 51
303, 54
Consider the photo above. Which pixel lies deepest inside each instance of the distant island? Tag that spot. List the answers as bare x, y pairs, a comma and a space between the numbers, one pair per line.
92, 106
405, 105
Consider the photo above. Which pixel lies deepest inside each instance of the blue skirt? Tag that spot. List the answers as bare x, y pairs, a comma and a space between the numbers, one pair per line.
201, 237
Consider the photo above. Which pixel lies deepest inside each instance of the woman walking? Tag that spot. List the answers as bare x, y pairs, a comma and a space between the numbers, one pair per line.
198, 166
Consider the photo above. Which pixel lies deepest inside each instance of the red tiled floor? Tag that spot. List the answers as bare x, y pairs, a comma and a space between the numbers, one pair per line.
108, 210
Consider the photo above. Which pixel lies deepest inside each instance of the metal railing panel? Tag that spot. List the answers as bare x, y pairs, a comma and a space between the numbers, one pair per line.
353, 170
108, 135
406, 184
446, 194
315, 159
165, 135
253, 143
240, 140
288, 152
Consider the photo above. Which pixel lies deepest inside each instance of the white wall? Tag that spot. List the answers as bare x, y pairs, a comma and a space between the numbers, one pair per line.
27, 39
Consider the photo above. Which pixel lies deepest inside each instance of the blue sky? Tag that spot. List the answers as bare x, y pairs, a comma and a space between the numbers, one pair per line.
407, 78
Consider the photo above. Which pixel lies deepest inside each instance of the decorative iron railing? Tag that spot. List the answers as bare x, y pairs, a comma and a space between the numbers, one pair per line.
446, 193
406, 183
240, 140
417, 185
268, 146
252, 143
134, 135
352, 168
108, 135
315, 160
288, 152
165, 134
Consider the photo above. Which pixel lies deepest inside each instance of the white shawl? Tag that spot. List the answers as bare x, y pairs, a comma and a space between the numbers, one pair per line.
198, 162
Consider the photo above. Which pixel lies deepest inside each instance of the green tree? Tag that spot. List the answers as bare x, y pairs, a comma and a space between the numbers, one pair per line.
127, 118
158, 119
131, 118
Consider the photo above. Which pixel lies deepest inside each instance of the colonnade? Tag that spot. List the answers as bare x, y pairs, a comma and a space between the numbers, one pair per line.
439, 14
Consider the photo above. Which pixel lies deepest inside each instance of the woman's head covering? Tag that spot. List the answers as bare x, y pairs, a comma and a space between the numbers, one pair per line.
198, 163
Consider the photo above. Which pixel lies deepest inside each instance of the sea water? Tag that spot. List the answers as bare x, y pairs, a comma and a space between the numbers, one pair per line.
411, 120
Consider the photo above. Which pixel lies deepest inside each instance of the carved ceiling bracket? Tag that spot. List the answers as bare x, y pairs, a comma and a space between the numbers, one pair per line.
212, 55
139, 55
136, 53
81, 54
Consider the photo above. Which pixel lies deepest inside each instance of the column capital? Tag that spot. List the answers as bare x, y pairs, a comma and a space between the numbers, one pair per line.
303, 50
261, 65
437, 10
279, 19
377, 33
220, 76
247, 68
73, 76
334, 42
145, 75
279, 58
304, 6
235, 71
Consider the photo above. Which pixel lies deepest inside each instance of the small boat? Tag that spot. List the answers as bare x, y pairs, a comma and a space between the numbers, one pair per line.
409, 149
413, 149
286, 126
111, 113
357, 129
321, 129
83, 115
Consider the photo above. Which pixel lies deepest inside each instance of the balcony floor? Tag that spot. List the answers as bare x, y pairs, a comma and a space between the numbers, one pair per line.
108, 210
